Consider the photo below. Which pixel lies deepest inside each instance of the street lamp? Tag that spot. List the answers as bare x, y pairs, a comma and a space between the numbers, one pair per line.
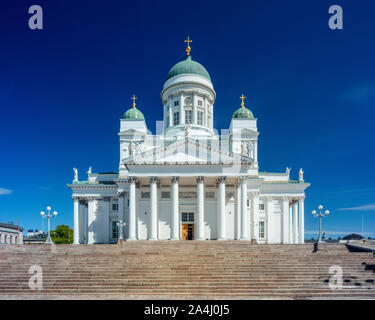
49, 216
120, 224
320, 214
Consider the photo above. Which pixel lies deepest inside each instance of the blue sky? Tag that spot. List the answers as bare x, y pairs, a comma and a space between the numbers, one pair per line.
64, 88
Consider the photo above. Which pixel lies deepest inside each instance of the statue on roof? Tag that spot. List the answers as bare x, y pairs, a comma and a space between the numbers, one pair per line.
300, 179
288, 171
89, 171
75, 175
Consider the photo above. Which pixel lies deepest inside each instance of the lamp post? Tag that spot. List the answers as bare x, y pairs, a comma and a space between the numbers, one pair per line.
320, 214
49, 216
120, 224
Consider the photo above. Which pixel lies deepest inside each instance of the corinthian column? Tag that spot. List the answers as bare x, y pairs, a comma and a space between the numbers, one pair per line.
301, 232
244, 215
222, 229
200, 200
175, 234
295, 222
76, 221
132, 211
154, 208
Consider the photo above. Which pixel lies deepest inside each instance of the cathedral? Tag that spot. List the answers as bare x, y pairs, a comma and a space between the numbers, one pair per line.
187, 182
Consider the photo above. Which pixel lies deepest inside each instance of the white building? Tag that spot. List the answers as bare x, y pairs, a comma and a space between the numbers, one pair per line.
187, 181
10, 234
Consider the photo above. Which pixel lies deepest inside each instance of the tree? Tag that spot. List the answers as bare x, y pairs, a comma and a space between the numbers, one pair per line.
62, 235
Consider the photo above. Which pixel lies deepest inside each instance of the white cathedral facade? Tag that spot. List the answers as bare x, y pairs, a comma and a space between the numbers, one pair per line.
188, 182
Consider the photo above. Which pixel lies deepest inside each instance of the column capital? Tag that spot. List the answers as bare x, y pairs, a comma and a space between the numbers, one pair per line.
200, 179
301, 198
255, 194
175, 179
285, 198
132, 179
76, 198
221, 179
243, 179
92, 198
154, 179
120, 193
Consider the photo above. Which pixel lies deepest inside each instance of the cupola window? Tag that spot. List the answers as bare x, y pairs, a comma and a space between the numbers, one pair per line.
188, 115
176, 103
176, 118
200, 118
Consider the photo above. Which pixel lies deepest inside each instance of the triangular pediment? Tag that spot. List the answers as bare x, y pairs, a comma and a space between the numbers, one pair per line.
188, 151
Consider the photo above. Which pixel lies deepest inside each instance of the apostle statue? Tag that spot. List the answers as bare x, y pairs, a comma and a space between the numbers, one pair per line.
187, 130
300, 175
75, 175
90, 171
244, 149
131, 149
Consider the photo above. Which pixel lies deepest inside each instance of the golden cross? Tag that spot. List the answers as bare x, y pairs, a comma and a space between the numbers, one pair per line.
188, 49
243, 103
133, 98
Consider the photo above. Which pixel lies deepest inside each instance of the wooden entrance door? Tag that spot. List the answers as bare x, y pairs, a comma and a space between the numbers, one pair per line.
187, 231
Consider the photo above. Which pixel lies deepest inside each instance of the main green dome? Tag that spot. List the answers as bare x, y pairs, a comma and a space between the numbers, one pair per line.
188, 66
243, 113
134, 114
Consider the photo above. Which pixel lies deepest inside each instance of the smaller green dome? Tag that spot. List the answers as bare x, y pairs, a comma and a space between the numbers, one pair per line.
243, 113
134, 114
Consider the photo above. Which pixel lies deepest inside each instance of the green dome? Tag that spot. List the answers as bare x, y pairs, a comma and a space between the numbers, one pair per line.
133, 114
188, 66
243, 113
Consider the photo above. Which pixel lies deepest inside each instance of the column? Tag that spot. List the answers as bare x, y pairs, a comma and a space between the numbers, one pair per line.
76, 221
285, 221
222, 222
182, 111
154, 208
90, 220
132, 210
82, 222
255, 217
301, 232
200, 201
244, 215
269, 212
120, 212
105, 226
175, 228
238, 211
205, 111
170, 112
295, 222
290, 222
256, 154
194, 110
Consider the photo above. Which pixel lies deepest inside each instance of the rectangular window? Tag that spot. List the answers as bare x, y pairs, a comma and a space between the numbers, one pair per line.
176, 118
176, 103
248, 203
210, 195
261, 229
167, 124
261, 206
188, 116
200, 103
114, 230
200, 118
165, 195
145, 195
114, 206
187, 216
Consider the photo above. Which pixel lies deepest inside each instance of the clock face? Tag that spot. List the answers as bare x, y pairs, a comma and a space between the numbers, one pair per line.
188, 101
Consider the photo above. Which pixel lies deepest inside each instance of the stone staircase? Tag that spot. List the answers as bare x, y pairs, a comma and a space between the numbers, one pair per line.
188, 269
